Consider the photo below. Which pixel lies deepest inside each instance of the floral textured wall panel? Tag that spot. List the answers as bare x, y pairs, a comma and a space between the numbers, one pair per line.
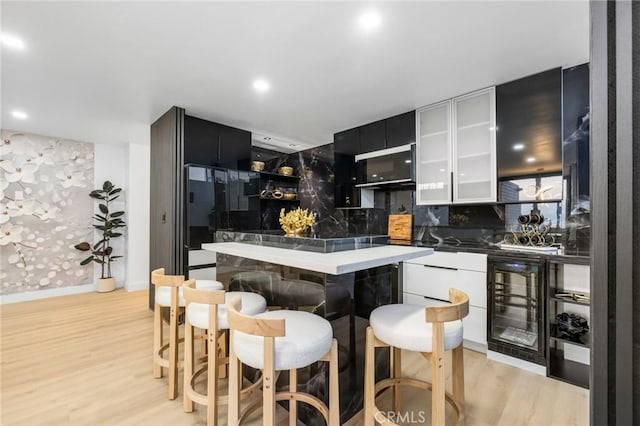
45, 210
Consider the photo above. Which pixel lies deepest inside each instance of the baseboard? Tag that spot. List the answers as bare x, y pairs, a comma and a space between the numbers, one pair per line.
45, 294
137, 286
516, 362
474, 346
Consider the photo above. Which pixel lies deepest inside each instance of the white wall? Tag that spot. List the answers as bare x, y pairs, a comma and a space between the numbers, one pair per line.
112, 163
138, 217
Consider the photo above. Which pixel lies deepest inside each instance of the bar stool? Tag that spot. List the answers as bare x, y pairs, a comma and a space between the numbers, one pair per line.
277, 341
206, 310
404, 327
169, 294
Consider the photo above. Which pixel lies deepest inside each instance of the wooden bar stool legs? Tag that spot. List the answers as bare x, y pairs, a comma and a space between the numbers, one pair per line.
206, 310
166, 295
457, 362
306, 339
404, 327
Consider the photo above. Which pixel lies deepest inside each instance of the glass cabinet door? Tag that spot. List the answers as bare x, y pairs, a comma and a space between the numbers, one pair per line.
474, 147
433, 154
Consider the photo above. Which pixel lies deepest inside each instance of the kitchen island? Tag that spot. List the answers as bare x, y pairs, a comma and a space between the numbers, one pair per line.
341, 279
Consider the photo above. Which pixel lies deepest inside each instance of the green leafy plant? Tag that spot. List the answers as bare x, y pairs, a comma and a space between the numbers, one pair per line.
107, 222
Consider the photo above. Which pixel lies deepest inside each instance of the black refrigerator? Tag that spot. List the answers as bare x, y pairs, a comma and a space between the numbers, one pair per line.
217, 199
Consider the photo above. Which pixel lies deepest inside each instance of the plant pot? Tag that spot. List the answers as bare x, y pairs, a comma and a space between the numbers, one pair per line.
106, 285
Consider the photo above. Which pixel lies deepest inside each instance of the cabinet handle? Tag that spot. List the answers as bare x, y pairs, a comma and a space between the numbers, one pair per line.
441, 267
435, 298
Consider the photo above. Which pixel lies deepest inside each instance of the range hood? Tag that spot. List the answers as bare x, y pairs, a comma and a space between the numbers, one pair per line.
392, 166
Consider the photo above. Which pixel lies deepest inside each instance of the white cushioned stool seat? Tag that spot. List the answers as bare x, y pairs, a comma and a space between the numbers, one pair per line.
307, 339
252, 304
163, 293
404, 326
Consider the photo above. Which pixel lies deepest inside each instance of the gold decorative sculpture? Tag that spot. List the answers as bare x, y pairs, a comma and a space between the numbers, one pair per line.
296, 222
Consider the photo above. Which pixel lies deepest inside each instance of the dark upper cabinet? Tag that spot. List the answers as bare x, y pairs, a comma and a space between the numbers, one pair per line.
575, 152
529, 125
212, 144
346, 145
388, 133
201, 141
347, 142
575, 134
382, 134
401, 129
234, 148
346, 194
373, 136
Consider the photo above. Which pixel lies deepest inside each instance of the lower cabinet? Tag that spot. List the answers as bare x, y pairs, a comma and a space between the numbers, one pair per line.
427, 280
475, 324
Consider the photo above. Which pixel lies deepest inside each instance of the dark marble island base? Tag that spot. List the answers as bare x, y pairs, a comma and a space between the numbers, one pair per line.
345, 300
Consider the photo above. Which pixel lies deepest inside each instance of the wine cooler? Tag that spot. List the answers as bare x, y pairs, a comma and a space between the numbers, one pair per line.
516, 307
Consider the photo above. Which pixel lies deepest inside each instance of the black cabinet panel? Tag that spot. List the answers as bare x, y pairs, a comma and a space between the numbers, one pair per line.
165, 221
346, 194
373, 137
346, 147
234, 148
347, 142
401, 129
529, 125
575, 153
200, 206
201, 141
575, 130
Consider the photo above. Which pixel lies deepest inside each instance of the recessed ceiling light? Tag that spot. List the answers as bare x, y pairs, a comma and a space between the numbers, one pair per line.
13, 42
261, 85
531, 159
20, 115
407, 161
518, 147
442, 170
370, 21
374, 175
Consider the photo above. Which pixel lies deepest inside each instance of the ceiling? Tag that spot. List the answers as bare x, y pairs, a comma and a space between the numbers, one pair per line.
94, 71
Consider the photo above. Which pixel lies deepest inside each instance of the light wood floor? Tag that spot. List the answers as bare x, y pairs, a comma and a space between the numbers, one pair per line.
86, 360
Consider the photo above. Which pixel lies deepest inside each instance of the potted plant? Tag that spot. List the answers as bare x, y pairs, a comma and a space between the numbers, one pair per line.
107, 222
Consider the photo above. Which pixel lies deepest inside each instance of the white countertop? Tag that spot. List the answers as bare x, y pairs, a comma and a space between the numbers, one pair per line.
337, 263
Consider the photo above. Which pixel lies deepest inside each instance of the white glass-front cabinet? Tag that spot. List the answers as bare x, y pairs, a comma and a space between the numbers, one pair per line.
474, 147
433, 174
456, 150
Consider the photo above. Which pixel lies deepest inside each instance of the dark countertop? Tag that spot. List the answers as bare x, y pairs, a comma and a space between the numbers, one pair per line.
494, 250
341, 243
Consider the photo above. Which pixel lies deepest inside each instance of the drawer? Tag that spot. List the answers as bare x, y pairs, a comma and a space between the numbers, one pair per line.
201, 257
429, 281
475, 323
435, 282
458, 260
203, 273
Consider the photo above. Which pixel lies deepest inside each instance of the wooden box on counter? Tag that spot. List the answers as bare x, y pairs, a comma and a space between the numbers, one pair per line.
400, 226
